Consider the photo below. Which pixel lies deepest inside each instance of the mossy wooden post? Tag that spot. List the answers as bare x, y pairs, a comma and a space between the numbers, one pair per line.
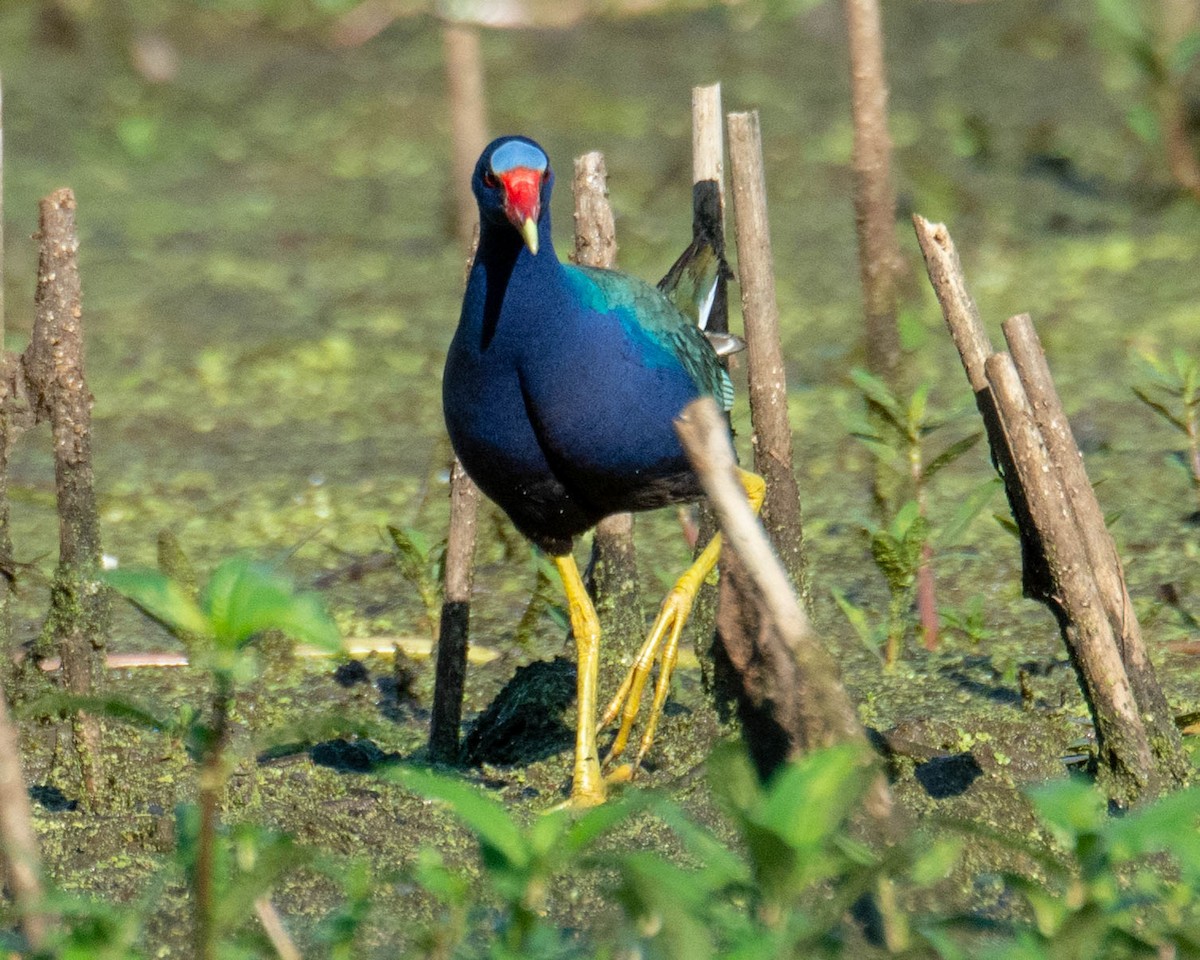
78, 622
772, 437
614, 575
454, 627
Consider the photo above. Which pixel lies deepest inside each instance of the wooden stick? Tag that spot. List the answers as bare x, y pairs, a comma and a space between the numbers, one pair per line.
454, 627
613, 580
80, 609
772, 437
468, 121
1121, 737
273, 927
1, 219
874, 196
23, 865
974, 347
793, 681
708, 190
1102, 556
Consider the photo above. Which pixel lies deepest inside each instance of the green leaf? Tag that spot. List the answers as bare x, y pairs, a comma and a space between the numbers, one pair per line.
488, 820
594, 823
733, 779
858, 620
882, 450
877, 393
244, 598
974, 504
116, 708
934, 862
918, 404
949, 455
1144, 123
412, 551
1185, 53
722, 865
807, 801
1161, 409
166, 601
1069, 808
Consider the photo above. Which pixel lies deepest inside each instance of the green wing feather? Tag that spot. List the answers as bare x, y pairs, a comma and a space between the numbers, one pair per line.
661, 321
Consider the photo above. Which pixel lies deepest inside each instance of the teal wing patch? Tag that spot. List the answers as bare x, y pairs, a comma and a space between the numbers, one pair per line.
660, 321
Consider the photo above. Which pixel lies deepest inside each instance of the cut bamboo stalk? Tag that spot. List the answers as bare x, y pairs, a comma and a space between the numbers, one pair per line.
1062, 543
772, 437
1121, 737
613, 575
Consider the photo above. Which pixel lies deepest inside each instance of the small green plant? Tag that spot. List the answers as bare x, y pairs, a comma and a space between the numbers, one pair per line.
519, 862
897, 436
422, 565
969, 620
1112, 894
785, 888
240, 602
1172, 390
1152, 48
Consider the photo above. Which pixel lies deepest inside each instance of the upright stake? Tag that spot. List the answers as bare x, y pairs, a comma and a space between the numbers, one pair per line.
1101, 551
468, 122
1120, 734
8, 373
614, 577
23, 865
708, 190
454, 628
708, 225
80, 605
772, 437
874, 196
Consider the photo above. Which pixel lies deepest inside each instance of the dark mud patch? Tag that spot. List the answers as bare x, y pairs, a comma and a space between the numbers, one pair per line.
526, 722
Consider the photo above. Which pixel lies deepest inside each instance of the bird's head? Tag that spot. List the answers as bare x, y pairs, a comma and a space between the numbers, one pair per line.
512, 181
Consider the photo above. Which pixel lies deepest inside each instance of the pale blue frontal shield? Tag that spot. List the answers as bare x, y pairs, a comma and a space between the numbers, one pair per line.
517, 153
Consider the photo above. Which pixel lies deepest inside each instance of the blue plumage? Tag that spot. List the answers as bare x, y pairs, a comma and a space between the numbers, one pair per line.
562, 382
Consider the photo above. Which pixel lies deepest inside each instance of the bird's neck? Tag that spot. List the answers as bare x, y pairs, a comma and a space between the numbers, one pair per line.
502, 251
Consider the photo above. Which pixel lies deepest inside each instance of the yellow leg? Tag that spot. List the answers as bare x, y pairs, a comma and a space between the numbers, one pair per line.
587, 786
664, 639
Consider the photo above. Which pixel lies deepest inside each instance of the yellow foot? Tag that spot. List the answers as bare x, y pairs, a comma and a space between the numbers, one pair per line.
662, 643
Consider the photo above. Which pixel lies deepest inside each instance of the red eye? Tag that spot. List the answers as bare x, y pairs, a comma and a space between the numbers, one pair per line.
490, 181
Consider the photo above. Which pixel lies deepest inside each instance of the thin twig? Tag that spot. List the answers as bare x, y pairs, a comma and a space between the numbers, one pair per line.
272, 924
